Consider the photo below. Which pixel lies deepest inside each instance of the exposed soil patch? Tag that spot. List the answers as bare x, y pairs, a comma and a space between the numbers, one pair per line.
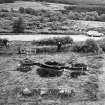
83, 86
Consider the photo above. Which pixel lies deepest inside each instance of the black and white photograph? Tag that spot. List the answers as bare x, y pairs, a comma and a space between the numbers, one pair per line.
52, 52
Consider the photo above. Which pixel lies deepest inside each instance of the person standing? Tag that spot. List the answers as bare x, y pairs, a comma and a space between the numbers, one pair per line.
59, 46
19, 50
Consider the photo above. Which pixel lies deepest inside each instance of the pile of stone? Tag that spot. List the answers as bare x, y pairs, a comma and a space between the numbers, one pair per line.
79, 67
27, 62
24, 68
25, 65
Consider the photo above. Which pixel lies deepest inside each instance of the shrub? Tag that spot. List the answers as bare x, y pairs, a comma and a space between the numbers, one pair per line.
53, 41
21, 10
87, 47
98, 9
30, 11
3, 42
102, 17
77, 47
55, 16
103, 47
18, 26
89, 18
74, 15
5, 14
90, 46
102, 44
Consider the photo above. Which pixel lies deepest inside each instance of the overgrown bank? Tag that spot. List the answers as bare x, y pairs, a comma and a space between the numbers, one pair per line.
50, 45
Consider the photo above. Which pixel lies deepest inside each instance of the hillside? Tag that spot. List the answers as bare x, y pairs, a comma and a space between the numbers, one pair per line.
101, 2
96, 2
34, 5
52, 20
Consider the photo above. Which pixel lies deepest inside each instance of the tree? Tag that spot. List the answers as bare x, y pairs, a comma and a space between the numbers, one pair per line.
74, 15
92, 16
21, 10
102, 17
90, 46
18, 26
5, 41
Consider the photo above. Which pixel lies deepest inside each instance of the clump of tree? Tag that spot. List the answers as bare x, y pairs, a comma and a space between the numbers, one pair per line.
89, 46
52, 16
74, 15
88, 16
102, 44
102, 17
21, 10
98, 9
4, 42
19, 25
54, 41
32, 11
92, 16
77, 47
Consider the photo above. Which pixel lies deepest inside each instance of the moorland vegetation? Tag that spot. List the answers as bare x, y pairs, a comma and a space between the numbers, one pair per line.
47, 22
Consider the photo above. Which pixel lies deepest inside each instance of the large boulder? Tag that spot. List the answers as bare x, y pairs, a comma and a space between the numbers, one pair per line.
26, 92
94, 33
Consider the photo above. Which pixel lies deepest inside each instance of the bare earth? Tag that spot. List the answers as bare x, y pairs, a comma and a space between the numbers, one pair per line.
10, 79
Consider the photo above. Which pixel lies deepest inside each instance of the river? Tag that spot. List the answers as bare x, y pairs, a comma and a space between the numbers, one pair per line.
39, 37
